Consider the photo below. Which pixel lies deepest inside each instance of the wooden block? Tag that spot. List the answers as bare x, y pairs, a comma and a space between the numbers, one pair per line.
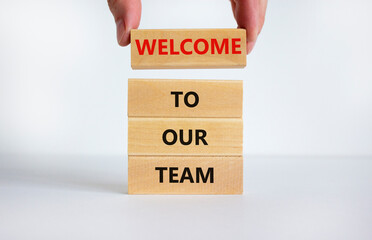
185, 175
184, 98
188, 48
162, 136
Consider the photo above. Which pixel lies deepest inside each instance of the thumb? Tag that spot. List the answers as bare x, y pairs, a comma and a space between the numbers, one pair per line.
127, 14
250, 15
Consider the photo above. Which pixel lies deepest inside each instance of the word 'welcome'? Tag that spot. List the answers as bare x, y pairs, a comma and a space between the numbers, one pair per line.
187, 46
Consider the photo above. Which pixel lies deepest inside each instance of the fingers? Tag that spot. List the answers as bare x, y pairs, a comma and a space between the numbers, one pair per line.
250, 15
127, 14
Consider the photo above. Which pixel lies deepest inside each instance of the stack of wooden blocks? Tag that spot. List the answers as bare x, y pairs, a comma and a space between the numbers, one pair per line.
185, 136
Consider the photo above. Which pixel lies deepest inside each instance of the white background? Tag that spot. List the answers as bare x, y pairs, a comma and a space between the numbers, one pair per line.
307, 122
307, 84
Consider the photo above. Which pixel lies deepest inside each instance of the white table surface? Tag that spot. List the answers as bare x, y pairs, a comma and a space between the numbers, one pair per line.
72, 197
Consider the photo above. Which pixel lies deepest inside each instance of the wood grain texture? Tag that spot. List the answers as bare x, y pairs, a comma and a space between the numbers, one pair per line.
188, 48
144, 179
157, 98
223, 136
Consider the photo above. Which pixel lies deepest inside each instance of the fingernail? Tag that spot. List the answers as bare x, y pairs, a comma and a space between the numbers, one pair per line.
120, 30
250, 46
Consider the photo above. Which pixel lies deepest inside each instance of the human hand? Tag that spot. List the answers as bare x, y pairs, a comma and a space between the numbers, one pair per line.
127, 14
249, 14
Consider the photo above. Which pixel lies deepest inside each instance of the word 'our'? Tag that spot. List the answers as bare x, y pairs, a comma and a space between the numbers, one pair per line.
200, 135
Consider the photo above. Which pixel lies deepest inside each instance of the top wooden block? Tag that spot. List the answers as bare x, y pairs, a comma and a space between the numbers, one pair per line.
188, 48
